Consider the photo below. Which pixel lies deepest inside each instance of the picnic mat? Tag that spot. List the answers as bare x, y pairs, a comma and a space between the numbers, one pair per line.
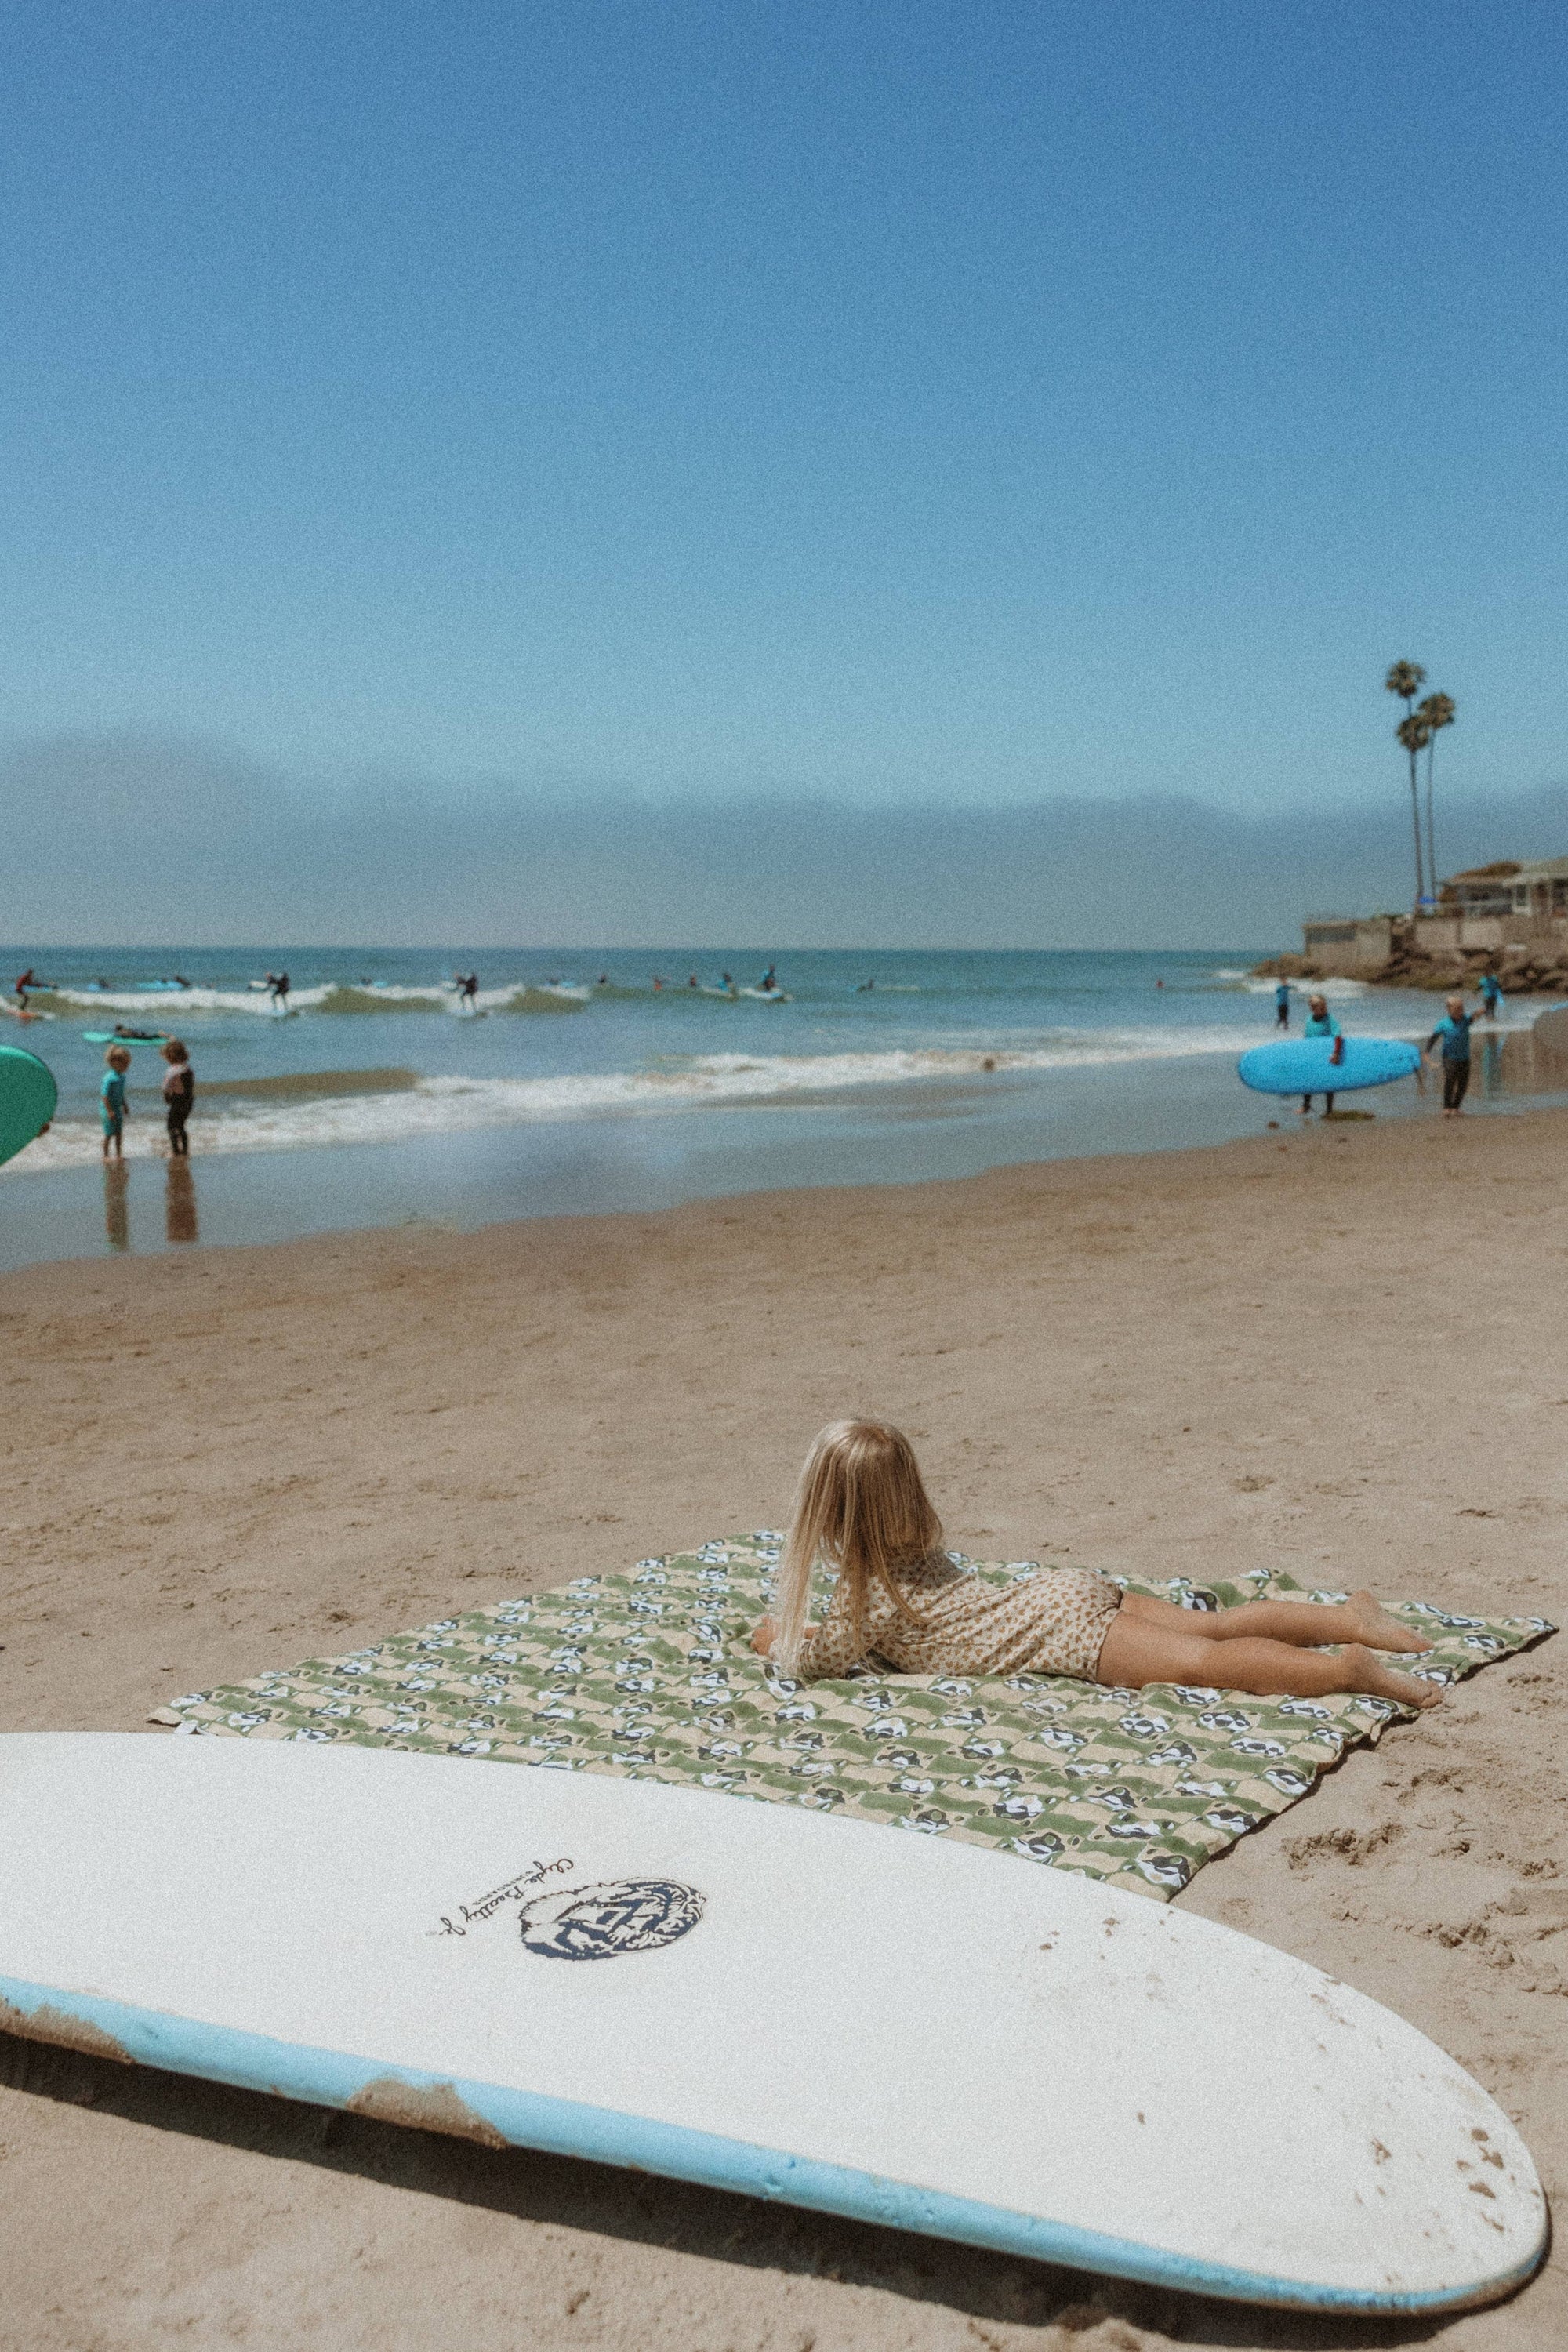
651, 1676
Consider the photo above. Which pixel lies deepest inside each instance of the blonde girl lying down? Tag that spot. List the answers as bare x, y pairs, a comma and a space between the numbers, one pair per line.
862, 1509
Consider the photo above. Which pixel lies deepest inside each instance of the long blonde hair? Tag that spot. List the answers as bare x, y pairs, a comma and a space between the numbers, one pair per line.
861, 1507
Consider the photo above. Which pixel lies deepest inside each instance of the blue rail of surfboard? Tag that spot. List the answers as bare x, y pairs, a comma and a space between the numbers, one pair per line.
332, 2078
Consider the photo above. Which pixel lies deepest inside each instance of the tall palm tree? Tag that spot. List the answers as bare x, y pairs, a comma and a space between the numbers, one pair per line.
1407, 678
1435, 713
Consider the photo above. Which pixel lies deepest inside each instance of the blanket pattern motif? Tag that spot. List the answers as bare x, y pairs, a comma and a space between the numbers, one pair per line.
650, 1676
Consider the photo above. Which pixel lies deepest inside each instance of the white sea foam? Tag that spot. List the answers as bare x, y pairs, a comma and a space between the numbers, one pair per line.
167, 1006
1313, 987
450, 1105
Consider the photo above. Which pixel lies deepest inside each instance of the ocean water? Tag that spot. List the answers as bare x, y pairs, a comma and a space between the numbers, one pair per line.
606, 1079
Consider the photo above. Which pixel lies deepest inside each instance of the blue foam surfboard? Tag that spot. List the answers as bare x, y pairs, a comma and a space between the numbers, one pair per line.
28, 1098
1302, 1065
116, 1037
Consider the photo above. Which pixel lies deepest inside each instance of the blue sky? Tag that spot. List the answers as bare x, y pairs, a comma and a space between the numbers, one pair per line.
896, 403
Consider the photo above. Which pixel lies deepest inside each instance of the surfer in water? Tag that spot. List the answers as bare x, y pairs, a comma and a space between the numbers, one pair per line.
769, 980
468, 984
1491, 994
1320, 1023
861, 1509
1282, 1005
276, 983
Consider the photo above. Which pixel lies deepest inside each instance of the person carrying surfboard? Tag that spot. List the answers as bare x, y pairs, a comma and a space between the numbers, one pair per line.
1454, 1033
861, 1509
1320, 1023
112, 1106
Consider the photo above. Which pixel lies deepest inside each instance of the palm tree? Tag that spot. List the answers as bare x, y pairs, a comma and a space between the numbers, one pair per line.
1407, 678
1435, 713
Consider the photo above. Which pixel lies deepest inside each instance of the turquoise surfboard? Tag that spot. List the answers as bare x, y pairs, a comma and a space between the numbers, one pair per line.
28, 1098
113, 1037
1302, 1065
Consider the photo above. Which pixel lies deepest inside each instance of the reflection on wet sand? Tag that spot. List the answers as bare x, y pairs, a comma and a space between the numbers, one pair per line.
1522, 1061
180, 1204
116, 1204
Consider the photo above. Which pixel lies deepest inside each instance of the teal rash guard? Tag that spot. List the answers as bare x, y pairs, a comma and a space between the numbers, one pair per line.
1456, 1037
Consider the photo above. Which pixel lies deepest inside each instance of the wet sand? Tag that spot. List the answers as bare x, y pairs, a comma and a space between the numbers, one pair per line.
1340, 1351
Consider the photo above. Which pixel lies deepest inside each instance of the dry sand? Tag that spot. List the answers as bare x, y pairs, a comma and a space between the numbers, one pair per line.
1340, 1351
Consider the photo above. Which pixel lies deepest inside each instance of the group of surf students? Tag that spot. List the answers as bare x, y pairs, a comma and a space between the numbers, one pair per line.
1450, 1038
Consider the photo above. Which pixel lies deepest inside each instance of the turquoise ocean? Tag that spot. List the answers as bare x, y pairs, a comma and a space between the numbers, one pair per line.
376, 1098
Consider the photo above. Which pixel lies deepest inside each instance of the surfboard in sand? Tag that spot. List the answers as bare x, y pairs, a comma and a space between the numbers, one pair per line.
1305, 1065
901, 2028
27, 1098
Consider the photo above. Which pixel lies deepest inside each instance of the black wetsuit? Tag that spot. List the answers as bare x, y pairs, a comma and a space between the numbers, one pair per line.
179, 1098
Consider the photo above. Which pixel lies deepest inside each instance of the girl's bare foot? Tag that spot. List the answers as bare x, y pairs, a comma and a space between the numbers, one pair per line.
1368, 1672
1377, 1628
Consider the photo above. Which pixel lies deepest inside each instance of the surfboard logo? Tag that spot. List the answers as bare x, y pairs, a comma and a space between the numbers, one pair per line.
600, 1922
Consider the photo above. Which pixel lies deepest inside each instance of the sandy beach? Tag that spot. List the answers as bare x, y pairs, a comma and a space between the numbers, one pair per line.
1337, 1351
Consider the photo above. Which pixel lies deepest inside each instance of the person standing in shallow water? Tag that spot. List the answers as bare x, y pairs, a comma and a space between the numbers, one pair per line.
111, 1099
1320, 1023
1454, 1032
179, 1094
1282, 1005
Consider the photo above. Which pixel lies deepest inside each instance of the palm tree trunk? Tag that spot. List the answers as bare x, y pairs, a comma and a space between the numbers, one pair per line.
1416, 820
1431, 843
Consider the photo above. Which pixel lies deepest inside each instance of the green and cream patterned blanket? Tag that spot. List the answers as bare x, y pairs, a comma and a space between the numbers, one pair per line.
651, 1676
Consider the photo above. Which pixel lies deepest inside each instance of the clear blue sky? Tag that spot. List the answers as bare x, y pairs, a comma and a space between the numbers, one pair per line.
987, 402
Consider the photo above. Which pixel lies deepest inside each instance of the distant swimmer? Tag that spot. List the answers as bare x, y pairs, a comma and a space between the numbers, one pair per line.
180, 981
726, 978
658, 983
1282, 1005
603, 981
691, 980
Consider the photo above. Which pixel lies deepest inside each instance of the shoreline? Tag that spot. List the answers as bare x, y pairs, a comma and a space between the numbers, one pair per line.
1334, 1347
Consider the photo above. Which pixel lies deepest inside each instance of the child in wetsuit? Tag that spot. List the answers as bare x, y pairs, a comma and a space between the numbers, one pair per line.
111, 1099
179, 1094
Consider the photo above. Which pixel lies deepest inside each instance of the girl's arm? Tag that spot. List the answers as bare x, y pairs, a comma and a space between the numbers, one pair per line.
828, 1651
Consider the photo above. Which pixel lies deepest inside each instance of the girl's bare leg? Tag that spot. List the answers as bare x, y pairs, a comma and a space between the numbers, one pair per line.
1139, 1650
1307, 1622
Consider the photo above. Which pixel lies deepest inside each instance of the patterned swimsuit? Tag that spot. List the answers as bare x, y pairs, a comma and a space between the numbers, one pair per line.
1054, 1623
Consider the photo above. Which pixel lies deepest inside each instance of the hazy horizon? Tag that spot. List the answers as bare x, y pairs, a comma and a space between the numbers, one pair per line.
140, 842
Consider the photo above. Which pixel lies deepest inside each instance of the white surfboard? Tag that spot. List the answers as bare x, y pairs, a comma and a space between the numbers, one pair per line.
897, 2027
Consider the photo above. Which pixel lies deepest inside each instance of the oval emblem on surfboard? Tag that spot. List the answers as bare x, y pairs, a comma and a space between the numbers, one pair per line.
600, 1922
